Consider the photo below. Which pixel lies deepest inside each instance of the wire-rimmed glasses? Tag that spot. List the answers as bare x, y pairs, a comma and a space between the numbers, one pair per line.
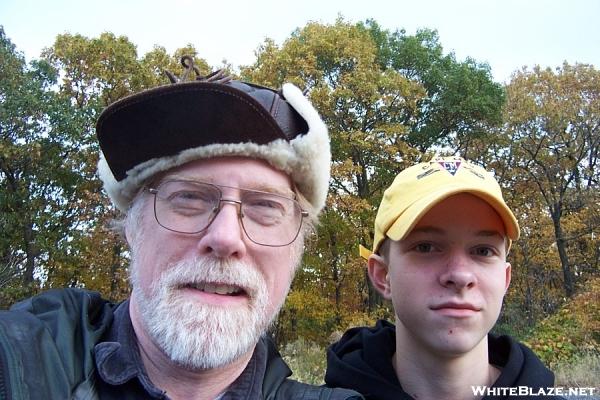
268, 219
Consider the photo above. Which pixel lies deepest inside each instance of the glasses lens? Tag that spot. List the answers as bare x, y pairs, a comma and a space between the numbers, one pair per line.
186, 207
270, 219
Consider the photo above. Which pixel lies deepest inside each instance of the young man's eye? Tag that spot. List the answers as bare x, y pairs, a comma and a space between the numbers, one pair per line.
424, 248
484, 251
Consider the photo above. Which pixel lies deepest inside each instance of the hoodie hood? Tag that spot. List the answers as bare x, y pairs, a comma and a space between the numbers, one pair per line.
520, 366
362, 360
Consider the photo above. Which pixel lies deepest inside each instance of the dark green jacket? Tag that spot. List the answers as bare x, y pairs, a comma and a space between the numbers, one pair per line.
47, 351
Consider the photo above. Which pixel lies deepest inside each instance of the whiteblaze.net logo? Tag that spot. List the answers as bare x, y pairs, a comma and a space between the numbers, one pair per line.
526, 391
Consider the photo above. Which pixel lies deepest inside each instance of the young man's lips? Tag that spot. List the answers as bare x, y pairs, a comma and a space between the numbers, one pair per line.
455, 306
455, 309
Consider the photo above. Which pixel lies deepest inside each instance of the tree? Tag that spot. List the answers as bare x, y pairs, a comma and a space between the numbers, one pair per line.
461, 104
38, 177
553, 119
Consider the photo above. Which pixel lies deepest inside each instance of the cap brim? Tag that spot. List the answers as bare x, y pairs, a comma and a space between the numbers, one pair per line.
411, 216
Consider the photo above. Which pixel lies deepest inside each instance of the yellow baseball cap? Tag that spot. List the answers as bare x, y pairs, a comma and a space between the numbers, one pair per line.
418, 188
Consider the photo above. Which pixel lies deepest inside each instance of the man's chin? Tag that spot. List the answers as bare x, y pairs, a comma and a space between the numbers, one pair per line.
201, 335
210, 342
199, 318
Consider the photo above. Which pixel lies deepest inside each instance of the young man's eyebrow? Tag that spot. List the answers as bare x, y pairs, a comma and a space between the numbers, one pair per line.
439, 231
428, 229
420, 232
490, 233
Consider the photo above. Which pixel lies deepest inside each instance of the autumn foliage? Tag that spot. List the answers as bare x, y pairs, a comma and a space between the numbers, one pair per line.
389, 99
574, 329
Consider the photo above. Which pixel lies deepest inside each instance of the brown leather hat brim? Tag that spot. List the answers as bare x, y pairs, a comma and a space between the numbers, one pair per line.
169, 119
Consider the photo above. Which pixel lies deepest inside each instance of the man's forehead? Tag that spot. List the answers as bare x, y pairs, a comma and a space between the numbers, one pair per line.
249, 182
441, 231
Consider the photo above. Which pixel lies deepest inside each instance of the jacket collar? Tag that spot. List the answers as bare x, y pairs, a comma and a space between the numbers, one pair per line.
118, 358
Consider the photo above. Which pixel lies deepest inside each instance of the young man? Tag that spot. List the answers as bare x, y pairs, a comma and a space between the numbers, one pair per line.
442, 233
219, 181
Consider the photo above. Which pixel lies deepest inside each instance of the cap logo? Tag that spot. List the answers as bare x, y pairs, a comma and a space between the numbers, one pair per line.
450, 166
427, 173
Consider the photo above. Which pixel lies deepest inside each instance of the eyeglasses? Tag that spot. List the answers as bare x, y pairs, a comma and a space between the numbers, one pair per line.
190, 207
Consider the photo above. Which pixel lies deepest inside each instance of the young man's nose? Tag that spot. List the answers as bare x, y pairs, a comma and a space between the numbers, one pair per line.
224, 237
458, 271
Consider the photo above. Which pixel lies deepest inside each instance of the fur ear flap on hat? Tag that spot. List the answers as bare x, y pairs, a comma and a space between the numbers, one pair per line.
312, 150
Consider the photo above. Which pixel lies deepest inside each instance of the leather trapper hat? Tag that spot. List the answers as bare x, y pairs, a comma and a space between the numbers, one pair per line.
164, 127
169, 119
417, 189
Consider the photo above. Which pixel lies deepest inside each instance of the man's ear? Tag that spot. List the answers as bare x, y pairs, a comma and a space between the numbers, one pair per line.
508, 275
379, 274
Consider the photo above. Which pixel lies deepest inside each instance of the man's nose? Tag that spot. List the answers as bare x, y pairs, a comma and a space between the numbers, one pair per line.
224, 237
458, 272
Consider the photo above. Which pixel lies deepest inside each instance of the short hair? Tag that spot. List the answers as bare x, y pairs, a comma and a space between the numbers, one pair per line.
384, 250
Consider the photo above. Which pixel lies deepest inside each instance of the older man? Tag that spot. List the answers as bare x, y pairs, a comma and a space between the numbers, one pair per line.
219, 181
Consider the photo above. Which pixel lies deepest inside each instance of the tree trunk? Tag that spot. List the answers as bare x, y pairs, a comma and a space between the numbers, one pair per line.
335, 275
529, 303
114, 268
374, 299
31, 252
562, 253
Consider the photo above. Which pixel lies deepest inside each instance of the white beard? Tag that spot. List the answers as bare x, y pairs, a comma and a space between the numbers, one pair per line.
202, 336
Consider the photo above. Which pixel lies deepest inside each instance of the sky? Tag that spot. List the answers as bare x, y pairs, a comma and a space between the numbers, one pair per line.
506, 34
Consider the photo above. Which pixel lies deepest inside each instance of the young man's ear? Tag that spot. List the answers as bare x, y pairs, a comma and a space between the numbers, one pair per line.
379, 274
508, 275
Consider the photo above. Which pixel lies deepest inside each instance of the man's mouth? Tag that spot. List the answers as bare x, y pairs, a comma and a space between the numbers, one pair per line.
456, 309
217, 288
457, 306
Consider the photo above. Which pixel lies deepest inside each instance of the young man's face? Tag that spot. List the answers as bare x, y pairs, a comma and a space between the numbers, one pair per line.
448, 276
205, 298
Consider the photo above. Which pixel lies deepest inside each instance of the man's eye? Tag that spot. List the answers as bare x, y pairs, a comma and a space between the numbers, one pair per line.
186, 196
190, 198
484, 251
264, 203
424, 247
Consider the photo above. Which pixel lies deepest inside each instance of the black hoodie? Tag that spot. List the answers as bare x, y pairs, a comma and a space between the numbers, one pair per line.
362, 360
